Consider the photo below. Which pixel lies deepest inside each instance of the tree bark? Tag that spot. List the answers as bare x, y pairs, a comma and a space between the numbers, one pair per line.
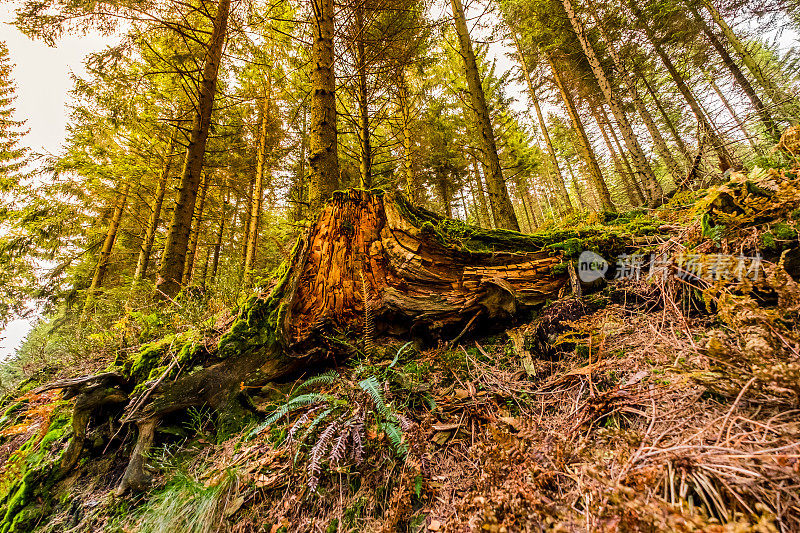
155, 215
174, 258
499, 200
725, 159
408, 141
642, 166
773, 91
365, 161
257, 195
194, 238
583, 140
763, 113
559, 178
323, 158
108, 244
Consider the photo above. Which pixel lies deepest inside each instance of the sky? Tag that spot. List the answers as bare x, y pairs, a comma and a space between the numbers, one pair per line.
43, 78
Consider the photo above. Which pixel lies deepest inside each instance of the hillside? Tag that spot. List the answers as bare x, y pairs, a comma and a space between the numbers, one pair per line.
663, 403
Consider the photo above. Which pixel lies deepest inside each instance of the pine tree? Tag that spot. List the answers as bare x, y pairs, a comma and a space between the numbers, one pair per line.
16, 267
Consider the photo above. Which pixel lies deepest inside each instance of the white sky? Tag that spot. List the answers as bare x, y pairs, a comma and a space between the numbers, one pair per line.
43, 79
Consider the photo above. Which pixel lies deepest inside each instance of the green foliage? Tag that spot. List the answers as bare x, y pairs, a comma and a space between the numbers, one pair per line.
331, 428
189, 505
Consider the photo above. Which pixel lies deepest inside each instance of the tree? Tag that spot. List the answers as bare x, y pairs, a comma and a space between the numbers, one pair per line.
499, 200
173, 260
323, 155
17, 244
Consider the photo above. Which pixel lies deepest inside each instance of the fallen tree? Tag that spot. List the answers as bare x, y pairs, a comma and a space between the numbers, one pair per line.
371, 266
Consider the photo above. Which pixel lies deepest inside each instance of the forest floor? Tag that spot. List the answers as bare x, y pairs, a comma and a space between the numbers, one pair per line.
663, 403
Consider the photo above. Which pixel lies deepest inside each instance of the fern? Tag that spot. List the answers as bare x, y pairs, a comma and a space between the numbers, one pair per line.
395, 435
337, 453
371, 386
291, 405
401, 351
326, 378
317, 453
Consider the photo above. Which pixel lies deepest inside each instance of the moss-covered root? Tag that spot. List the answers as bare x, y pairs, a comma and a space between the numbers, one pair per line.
135, 477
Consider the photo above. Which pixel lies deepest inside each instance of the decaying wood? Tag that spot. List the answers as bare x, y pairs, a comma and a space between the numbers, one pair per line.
365, 249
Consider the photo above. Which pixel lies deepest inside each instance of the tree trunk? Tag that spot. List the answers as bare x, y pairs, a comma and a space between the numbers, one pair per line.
173, 260
499, 200
559, 178
408, 141
194, 238
256, 200
725, 159
484, 208
155, 215
663, 150
583, 140
731, 112
626, 179
108, 244
667, 120
642, 166
324, 156
738, 75
220, 236
623, 158
363, 103
773, 91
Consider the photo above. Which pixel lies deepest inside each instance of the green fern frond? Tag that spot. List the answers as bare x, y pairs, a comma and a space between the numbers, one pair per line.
372, 387
402, 350
395, 435
325, 378
291, 405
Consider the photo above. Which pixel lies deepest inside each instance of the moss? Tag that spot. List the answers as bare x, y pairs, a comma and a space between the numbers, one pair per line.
31, 472
768, 241
784, 231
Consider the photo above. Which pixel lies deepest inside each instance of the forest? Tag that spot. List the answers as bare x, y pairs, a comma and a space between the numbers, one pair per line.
404, 265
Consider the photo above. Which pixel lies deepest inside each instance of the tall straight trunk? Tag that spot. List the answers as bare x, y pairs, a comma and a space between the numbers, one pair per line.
299, 187
775, 94
108, 244
624, 159
324, 156
644, 171
763, 113
194, 238
521, 193
173, 260
146, 248
583, 140
363, 103
499, 200
625, 178
408, 141
661, 146
257, 194
725, 159
731, 112
484, 208
667, 120
559, 178
220, 235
